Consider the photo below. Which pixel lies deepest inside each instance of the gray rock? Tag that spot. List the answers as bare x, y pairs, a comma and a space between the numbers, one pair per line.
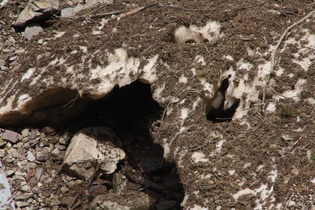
22, 204
2, 153
32, 135
25, 132
33, 142
26, 145
42, 155
71, 11
11, 136
36, 10
55, 152
25, 188
22, 197
30, 156
91, 147
67, 12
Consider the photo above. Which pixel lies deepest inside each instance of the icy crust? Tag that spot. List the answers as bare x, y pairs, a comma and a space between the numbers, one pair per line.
250, 89
121, 70
90, 79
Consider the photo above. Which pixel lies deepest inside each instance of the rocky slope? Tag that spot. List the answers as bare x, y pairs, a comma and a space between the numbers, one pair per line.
225, 90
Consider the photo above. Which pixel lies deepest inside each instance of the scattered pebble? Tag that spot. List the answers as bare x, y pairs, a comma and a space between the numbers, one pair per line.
30, 156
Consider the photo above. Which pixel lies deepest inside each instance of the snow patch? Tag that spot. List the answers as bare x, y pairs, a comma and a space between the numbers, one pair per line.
273, 175
242, 192
8, 106
219, 146
83, 48
23, 97
149, 70
184, 114
183, 79
200, 59
294, 94
231, 172
271, 107
311, 100
158, 92
183, 203
166, 147
210, 32
199, 157
228, 57
28, 74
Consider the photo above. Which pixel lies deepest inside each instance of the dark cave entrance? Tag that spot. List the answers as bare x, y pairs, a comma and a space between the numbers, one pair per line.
132, 114
216, 112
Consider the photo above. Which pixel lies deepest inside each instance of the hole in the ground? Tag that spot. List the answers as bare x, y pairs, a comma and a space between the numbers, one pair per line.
131, 112
216, 111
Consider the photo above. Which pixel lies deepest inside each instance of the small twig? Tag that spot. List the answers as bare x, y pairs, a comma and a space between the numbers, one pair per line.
137, 10
216, 175
93, 176
71, 204
72, 102
86, 187
186, 9
57, 173
276, 49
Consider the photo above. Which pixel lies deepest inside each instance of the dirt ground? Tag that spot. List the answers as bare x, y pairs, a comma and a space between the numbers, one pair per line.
259, 143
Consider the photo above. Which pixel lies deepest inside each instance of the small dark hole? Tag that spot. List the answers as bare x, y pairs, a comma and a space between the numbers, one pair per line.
217, 113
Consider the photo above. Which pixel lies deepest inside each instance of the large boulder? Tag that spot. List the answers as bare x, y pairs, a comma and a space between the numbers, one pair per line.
93, 148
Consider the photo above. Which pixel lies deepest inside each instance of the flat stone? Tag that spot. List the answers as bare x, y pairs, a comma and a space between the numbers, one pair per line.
10, 136
25, 188
14, 153
22, 204
10, 172
36, 10
67, 12
23, 197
